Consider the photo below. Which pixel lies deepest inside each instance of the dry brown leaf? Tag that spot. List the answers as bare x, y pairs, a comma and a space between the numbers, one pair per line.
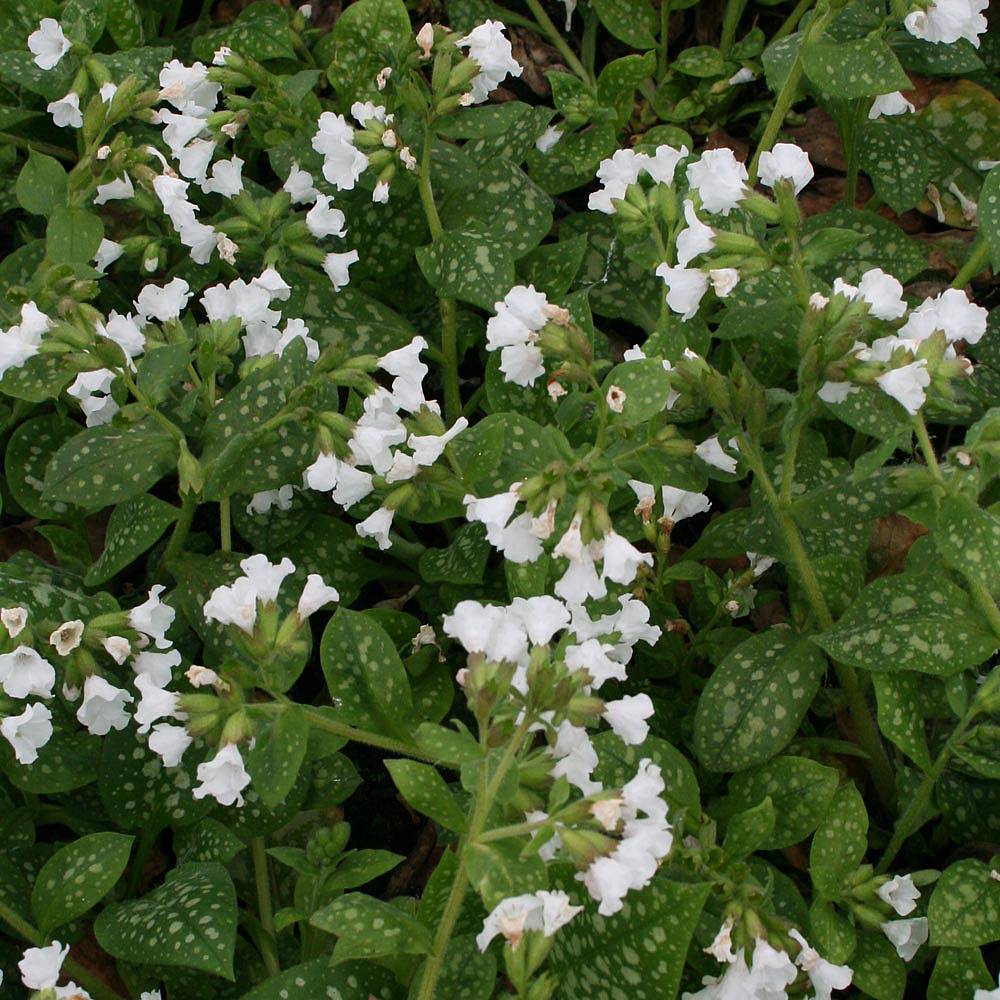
891, 539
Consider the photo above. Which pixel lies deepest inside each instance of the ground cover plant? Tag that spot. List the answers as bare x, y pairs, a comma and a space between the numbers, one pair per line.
499, 501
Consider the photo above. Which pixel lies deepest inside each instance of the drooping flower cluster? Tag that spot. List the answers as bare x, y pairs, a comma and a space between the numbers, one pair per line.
625, 167
514, 332
376, 438
490, 49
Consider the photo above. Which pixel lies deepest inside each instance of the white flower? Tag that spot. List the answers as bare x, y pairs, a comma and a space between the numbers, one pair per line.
40, 967
907, 385
193, 160
164, 303
581, 580
721, 948
616, 174
951, 312
235, 604
159, 667
616, 399
890, 104
67, 637
900, 893
188, 87
24, 672
686, 286
20, 342
48, 44
428, 448
724, 280
199, 676
543, 911
490, 49
93, 391
323, 220
948, 20
622, 559
548, 139
695, 239
836, 392
824, 976
226, 178
382, 77
28, 732
720, 180
710, 451
594, 656
744, 75
771, 970
119, 648
336, 266
883, 293
786, 162
377, 526
66, 111
315, 594
223, 777
262, 502
107, 253
662, 165
14, 619
514, 330
103, 706
575, 757
627, 717
155, 703
153, 618
408, 373
169, 742
300, 185
679, 504
906, 935
266, 576
116, 190
343, 164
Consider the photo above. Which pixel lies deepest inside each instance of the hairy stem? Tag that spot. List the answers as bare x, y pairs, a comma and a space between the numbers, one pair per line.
977, 260
319, 721
265, 909
41, 147
189, 504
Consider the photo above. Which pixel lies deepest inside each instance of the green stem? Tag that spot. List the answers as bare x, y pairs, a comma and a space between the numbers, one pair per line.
788, 462
786, 96
262, 879
505, 832
986, 604
42, 147
225, 525
554, 35
847, 677
730, 22
927, 448
792, 21
319, 721
977, 260
189, 504
449, 314
662, 59
146, 840
909, 822
453, 905
94, 986
850, 140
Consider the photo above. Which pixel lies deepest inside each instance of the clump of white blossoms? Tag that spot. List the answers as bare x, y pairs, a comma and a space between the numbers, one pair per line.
490, 49
945, 21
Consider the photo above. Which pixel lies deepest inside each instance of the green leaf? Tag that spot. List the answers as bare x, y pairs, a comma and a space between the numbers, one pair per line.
110, 464
365, 675
161, 368
485, 121
900, 158
989, 212
801, 790
552, 267
958, 972
754, 701
125, 23
83, 20
863, 67
878, 970
642, 950
749, 831
277, 756
826, 244
910, 622
189, 921
366, 37
29, 451
360, 867
620, 77
425, 790
73, 235
900, 717
462, 562
964, 910
618, 763
134, 526
41, 184
448, 745
367, 927
465, 974
315, 979
468, 265
206, 840
646, 386
831, 933
68, 761
630, 21
260, 32
840, 842
77, 876
497, 871
19, 68
701, 61
969, 538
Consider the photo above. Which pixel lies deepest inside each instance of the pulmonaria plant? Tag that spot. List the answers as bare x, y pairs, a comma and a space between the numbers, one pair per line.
493, 513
